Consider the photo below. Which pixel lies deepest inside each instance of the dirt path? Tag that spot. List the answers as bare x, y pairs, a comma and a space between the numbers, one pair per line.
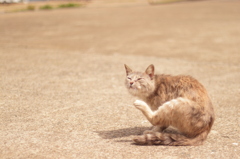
61, 77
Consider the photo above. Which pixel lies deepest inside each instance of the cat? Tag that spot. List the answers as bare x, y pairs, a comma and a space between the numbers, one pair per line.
177, 101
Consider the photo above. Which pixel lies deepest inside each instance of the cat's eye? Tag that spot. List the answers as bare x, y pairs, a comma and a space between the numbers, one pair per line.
139, 79
129, 78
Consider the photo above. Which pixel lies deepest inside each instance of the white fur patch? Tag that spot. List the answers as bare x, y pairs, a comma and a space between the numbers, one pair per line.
140, 102
175, 102
168, 104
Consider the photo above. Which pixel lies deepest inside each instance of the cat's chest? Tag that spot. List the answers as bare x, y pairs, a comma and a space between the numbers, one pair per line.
155, 102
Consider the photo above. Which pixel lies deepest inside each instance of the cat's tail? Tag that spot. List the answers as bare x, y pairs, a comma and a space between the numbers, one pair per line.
161, 138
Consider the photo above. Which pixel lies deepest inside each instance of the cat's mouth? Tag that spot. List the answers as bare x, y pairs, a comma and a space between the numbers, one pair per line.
134, 87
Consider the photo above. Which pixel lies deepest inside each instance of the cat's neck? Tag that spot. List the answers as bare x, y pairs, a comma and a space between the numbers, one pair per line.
152, 98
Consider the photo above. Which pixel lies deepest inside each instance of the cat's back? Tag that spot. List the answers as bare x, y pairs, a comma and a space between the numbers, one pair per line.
179, 82
170, 87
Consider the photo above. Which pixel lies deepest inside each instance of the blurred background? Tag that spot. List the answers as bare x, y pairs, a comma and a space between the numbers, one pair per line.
203, 30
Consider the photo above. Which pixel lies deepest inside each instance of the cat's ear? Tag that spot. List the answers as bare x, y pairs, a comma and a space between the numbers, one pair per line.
150, 71
128, 69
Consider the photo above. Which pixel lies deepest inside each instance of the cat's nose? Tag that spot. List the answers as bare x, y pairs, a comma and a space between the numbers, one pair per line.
131, 83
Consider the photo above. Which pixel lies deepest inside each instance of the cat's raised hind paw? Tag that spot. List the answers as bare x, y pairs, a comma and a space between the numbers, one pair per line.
141, 105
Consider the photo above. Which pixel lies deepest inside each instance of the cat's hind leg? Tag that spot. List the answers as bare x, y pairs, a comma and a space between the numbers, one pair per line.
180, 113
141, 105
157, 118
167, 113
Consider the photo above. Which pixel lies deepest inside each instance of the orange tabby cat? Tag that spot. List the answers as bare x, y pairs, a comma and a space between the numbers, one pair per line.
177, 101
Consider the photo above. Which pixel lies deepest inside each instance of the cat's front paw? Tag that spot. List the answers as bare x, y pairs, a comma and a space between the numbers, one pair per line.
141, 105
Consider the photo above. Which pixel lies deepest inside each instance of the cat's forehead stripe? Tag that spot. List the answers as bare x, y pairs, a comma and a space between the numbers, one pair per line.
135, 74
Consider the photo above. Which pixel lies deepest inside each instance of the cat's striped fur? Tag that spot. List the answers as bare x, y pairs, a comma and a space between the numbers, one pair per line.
178, 101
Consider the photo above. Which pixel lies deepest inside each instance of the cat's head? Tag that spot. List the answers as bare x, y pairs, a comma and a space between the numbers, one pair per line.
140, 83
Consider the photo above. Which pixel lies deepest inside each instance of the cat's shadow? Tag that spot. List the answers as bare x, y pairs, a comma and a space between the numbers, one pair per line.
128, 132
119, 133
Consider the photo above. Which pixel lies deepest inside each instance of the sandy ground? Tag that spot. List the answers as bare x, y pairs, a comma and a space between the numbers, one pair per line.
62, 77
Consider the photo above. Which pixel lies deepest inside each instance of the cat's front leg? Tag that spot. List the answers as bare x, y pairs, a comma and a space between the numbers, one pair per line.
141, 105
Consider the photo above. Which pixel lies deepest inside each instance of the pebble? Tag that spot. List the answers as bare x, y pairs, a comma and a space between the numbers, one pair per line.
235, 144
